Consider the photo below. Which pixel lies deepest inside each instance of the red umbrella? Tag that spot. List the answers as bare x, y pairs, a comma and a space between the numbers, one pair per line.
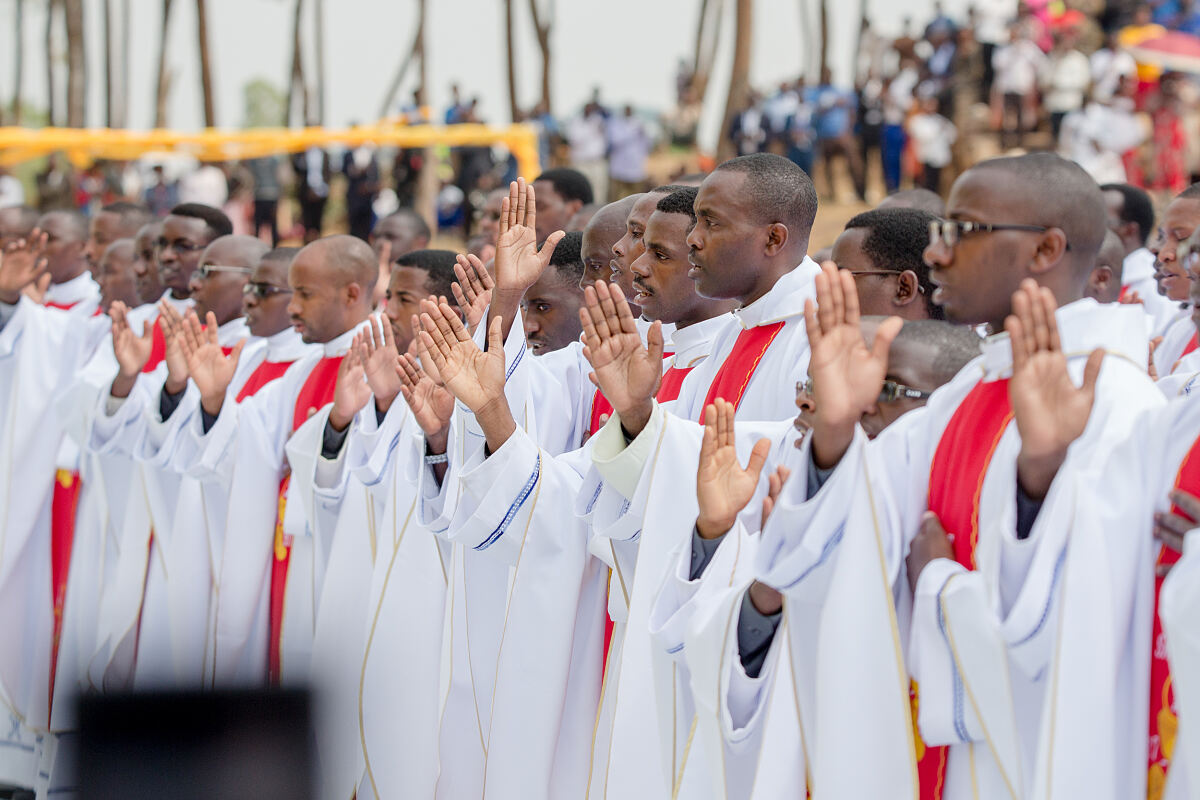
1175, 51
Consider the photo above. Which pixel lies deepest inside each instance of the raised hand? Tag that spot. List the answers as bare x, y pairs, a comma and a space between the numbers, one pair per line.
474, 376
171, 323
846, 374
473, 289
211, 370
131, 350
377, 352
351, 392
1049, 409
518, 263
431, 404
723, 486
627, 371
21, 265
931, 542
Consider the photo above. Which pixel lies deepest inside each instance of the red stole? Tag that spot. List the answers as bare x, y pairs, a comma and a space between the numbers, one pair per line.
600, 407
62, 537
263, 374
1188, 349
158, 347
735, 373
316, 393
956, 475
1164, 722
60, 306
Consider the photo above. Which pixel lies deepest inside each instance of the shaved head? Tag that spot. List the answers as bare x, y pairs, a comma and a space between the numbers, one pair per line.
348, 258
604, 229
953, 346
611, 218
1058, 194
332, 280
236, 251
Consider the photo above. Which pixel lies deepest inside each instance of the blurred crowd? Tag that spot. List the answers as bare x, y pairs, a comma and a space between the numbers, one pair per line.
1031, 75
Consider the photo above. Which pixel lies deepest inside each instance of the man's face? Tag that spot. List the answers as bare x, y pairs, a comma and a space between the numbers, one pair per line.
976, 278
489, 215
114, 273
396, 232
317, 307
145, 264
221, 290
553, 212
660, 274
1178, 222
726, 243
631, 246
596, 249
267, 316
407, 287
103, 230
64, 248
551, 312
180, 246
875, 290
11, 227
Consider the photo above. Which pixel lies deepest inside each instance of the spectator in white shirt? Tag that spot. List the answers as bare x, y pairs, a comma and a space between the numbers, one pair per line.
932, 136
1068, 74
11, 191
629, 147
1017, 65
587, 135
1110, 65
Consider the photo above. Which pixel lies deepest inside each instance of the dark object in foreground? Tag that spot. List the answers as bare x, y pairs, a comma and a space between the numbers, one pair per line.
186, 745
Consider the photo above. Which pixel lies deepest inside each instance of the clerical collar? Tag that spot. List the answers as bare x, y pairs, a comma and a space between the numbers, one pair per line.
287, 345
785, 299
229, 333
1083, 326
76, 290
179, 305
695, 341
341, 345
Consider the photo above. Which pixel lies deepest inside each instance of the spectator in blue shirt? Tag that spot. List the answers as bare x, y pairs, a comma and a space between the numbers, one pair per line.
834, 111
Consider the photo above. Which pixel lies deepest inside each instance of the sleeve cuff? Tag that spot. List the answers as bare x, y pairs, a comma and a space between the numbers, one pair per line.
618, 463
703, 551
755, 633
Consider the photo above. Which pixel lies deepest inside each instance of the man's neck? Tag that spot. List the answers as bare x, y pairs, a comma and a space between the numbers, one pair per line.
70, 276
176, 294
767, 280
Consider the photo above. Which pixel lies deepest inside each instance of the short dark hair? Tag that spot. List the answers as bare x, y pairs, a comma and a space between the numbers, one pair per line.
417, 224
896, 240
27, 217
779, 191
681, 201
669, 188
567, 257
281, 254
218, 224
438, 265
75, 221
131, 215
569, 184
1190, 193
955, 345
1136, 206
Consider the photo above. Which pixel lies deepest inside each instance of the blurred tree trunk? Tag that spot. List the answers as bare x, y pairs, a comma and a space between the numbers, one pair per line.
543, 24
319, 13
824, 36
708, 31
514, 109
51, 97
122, 116
108, 62
297, 84
76, 65
163, 84
739, 76
206, 80
427, 182
398, 79
18, 67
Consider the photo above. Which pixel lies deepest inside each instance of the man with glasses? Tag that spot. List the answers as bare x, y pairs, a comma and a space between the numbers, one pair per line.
1020, 243
884, 250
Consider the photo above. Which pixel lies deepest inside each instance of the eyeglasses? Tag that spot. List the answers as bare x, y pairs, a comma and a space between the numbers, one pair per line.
263, 290
205, 270
179, 245
857, 272
890, 392
950, 231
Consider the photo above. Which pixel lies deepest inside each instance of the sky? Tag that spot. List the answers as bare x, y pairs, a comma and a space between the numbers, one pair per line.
629, 48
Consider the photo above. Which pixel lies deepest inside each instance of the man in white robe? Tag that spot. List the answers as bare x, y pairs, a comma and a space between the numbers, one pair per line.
1131, 218
1180, 219
1014, 595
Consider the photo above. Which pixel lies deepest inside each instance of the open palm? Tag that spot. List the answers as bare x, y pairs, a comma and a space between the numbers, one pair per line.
210, 369
519, 263
723, 486
474, 376
431, 405
351, 392
377, 354
626, 371
131, 350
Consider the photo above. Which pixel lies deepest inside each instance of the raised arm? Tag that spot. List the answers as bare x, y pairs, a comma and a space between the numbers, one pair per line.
519, 263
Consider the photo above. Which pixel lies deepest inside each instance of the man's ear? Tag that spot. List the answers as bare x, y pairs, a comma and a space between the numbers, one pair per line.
777, 237
1051, 249
908, 288
354, 293
1101, 278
